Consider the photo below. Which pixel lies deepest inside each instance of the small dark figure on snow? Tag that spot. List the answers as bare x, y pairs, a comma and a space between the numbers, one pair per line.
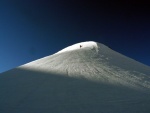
80, 46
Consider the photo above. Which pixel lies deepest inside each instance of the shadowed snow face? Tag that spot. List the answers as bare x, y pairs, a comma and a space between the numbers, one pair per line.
29, 91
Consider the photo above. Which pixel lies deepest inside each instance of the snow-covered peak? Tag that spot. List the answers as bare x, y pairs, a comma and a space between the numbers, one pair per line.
86, 79
81, 45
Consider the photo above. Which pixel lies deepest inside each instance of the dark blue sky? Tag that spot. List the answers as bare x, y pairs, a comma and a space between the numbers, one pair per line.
31, 29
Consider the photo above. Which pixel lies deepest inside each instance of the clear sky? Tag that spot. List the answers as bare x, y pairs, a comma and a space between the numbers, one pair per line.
32, 29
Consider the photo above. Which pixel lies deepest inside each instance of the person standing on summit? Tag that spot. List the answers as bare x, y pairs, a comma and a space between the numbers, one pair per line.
80, 46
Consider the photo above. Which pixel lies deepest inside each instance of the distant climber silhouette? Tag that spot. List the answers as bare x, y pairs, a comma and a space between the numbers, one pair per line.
80, 46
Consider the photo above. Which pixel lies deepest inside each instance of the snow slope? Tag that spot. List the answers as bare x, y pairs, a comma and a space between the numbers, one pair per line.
87, 77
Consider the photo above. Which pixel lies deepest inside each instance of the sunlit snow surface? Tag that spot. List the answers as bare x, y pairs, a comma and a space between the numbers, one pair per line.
87, 77
94, 61
89, 44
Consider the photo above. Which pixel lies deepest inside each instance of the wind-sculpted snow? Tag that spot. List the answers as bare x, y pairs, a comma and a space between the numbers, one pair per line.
87, 77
